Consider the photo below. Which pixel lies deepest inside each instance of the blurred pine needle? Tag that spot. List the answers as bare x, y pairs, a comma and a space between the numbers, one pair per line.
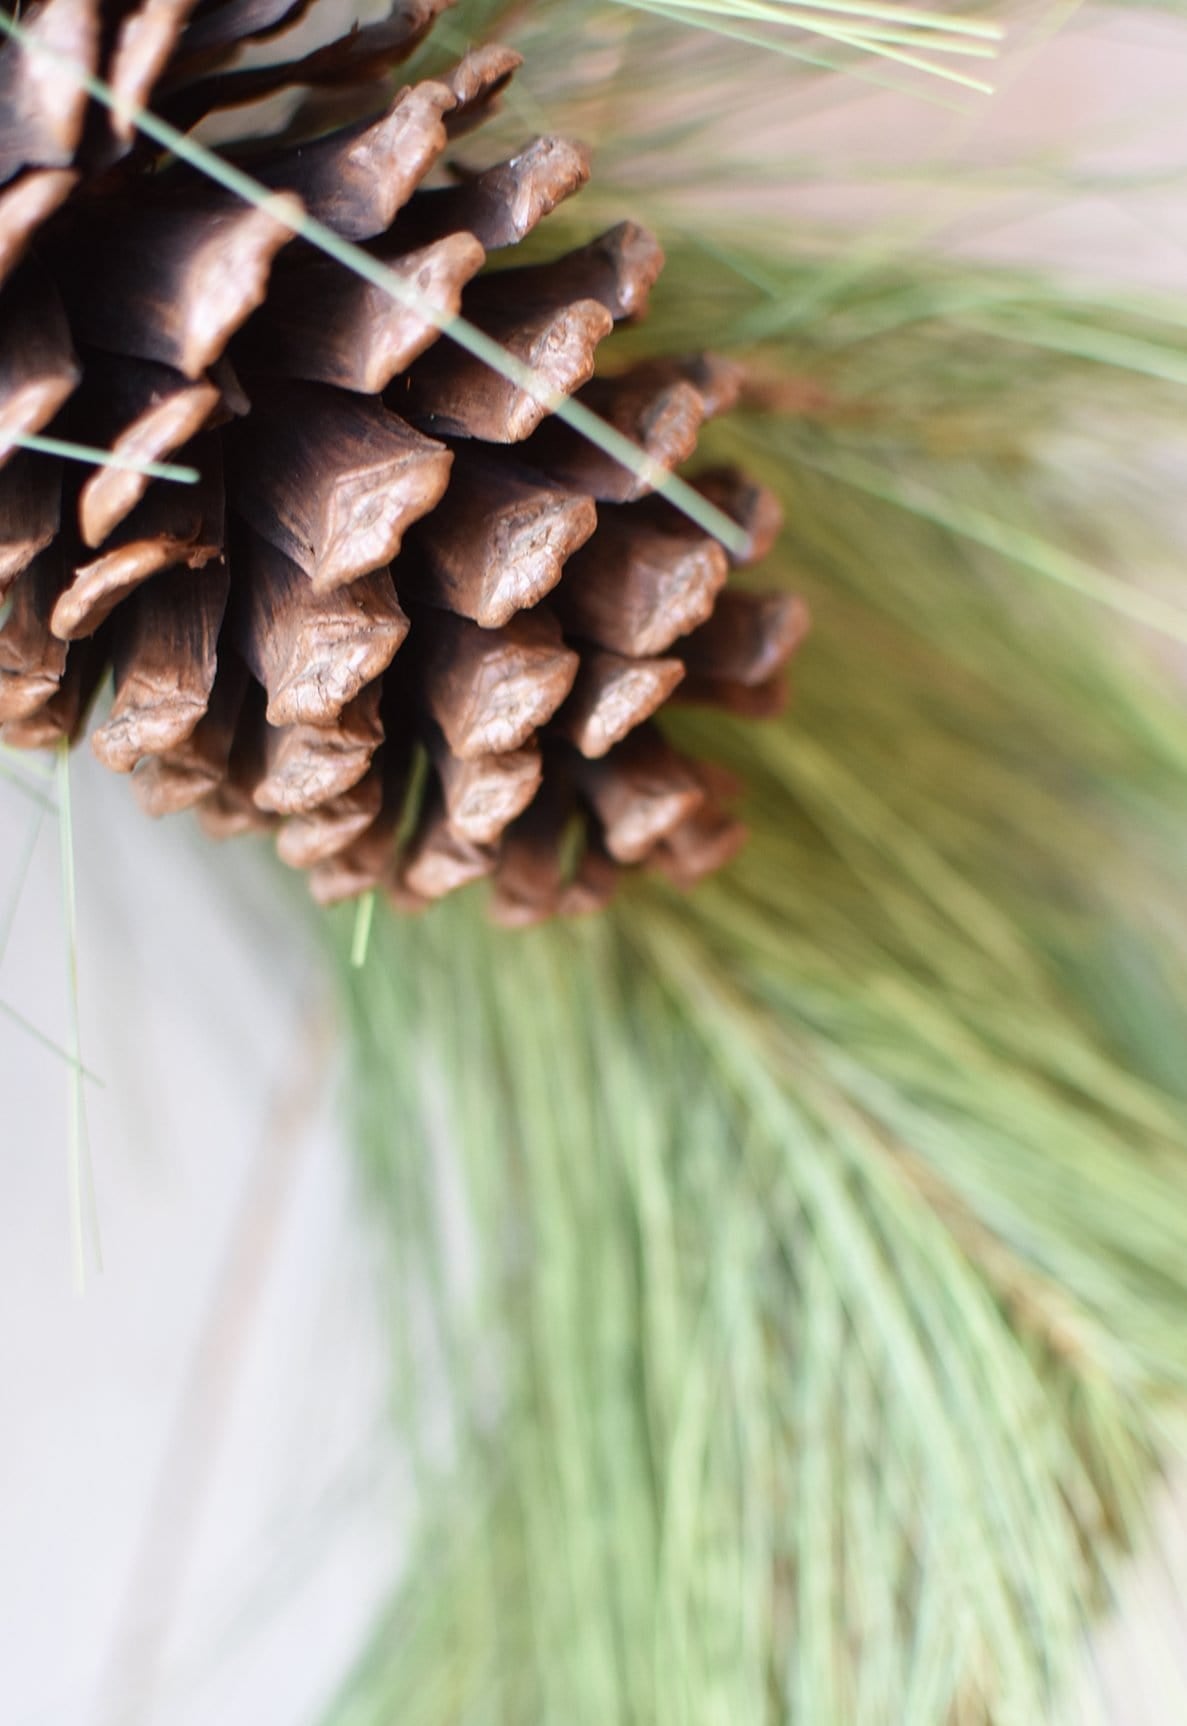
790, 1282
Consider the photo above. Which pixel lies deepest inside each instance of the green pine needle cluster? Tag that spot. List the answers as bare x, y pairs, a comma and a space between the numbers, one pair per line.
790, 1281
817, 1316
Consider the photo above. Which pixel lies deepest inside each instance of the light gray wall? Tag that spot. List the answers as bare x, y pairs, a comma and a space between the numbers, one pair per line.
197, 1508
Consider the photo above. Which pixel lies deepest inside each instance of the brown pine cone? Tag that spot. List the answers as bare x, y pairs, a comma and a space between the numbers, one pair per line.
406, 616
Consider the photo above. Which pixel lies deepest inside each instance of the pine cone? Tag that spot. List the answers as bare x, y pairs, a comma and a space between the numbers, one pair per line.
406, 616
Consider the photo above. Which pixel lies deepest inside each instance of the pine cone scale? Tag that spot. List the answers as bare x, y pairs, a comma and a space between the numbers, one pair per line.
30, 504
636, 591
332, 480
182, 777
490, 689
484, 794
184, 278
313, 653
172, 525
61, 718
356, 184
612, 696
502, 206
165, 653
32, 659
502, 544
42, 108
641, 793
195, 83
307, 840
305, 766
25, 207
146, 41
39, 370
451, 394
143, 413
325, 326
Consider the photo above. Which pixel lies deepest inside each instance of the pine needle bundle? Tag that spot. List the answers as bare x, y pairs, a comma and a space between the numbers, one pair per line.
817, 1324
813, 1333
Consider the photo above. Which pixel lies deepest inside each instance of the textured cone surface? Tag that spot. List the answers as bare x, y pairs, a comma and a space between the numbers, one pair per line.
406, 616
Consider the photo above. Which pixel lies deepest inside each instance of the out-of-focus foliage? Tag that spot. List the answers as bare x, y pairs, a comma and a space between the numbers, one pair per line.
817, 1317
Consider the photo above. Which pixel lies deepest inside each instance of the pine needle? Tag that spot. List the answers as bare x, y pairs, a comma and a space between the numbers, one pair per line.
17, 771
1020, 546
361, 940
84, 1217
47, 1042
876, 44
775, 11
24, 863
69, 451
